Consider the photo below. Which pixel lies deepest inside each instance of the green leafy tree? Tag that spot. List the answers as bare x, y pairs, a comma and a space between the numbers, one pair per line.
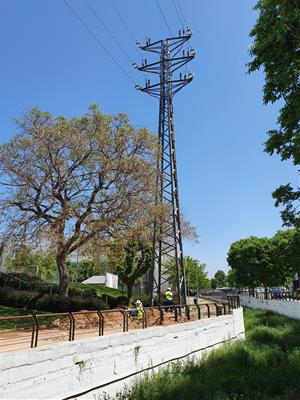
81, 271
219, 279
287, 251
73, 181
231, 278
130, 262
254, 262
275, 48
194, 271
25, 259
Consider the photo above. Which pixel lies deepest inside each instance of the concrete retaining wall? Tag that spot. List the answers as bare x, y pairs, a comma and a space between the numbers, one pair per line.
288, 308
90, 367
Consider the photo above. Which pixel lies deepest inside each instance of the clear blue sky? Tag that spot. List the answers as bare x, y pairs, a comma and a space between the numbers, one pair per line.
49, 60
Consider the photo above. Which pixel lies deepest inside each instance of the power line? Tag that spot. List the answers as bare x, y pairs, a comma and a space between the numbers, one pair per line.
180, 8
98, 41
178, 15
164, 18
122, 20
107, 30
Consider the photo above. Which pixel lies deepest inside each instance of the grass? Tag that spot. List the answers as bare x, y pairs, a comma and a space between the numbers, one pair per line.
101, 290
17, 324
266, 366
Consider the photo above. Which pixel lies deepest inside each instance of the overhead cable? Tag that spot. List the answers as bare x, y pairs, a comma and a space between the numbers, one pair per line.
178, 15
181, 11
122, 20
107, 30
164, 18
98, 41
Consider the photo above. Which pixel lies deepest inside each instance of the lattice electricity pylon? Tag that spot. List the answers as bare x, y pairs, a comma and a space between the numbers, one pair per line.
167, 241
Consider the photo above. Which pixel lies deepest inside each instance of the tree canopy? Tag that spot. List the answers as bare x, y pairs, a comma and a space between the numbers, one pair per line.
131, 261
194, 272
276, 46
219, 279
74, 180
265, 261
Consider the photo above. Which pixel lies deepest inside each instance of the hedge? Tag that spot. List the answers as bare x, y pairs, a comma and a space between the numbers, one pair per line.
54, 303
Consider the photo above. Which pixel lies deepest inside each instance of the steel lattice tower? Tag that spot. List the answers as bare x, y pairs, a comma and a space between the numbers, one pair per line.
167, 240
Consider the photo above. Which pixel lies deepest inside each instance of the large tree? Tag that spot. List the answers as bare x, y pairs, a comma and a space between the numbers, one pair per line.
195, 273
74, 180
276, 49
254, 262
219, 279
130, 261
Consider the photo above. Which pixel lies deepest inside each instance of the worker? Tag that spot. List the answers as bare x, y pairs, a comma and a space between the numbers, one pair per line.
169, 300
140, 309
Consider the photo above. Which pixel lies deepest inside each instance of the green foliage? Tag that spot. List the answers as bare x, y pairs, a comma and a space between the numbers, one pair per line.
254, 262
38, 263
193, 270
81, 271
265, 261
130, 262
17, 298
219, 279
60, 303
278, 27
266, 366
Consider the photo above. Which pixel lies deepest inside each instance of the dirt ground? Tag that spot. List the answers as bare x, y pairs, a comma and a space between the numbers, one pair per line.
87, 325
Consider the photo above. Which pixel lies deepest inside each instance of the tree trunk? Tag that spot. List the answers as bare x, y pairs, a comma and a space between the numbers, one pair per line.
266, 293
129, 292
61, 260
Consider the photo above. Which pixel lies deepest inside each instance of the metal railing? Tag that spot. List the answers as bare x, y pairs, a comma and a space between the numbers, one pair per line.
41, 329
271, 295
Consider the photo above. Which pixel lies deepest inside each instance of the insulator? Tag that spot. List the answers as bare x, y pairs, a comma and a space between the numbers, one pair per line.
138, 87
179, 33
192, 52
148, 82
190, 76
138, 44
145, 61
189, 32
180, 75
183, 53
134, 65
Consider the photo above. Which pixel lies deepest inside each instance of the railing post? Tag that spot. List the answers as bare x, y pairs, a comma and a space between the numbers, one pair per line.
33, 319
187, 312
176, 313
101, 323
208, 310
72, 327
224, 305
199, 311
161, 315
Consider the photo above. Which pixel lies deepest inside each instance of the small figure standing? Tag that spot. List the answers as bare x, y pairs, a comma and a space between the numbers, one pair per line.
169, 300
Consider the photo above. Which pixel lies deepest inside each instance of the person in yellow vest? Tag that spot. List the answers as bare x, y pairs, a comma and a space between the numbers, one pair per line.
169, 300
140, 309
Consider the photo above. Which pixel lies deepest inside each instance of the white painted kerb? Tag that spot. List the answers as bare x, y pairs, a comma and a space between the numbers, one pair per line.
67, 369
288, 308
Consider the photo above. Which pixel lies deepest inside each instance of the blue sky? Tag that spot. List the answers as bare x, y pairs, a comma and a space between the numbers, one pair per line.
49, 60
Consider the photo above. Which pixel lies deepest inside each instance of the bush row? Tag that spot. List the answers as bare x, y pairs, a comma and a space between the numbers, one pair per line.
46, 302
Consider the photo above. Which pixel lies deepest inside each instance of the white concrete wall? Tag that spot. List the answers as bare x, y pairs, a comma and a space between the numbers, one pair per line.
104, 364
288, 308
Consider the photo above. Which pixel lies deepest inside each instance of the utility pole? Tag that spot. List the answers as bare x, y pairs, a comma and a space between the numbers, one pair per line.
167, 237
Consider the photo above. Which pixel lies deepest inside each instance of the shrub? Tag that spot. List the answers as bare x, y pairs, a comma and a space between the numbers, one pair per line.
116, 302
17, 298
60, 303
19, 280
